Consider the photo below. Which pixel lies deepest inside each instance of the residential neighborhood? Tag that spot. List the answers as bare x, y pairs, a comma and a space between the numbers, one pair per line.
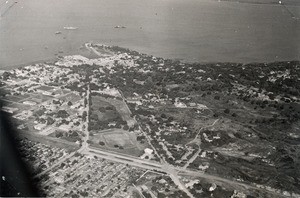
127, 124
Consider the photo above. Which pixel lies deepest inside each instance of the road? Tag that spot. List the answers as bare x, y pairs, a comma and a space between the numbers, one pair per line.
199, 144
170, 170
123, 156
144, 133
82, 148
162, 167
86, 128
197, 135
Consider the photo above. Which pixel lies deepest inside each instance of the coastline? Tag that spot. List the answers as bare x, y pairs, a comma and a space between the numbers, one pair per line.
92, 55
83, 52
11, 67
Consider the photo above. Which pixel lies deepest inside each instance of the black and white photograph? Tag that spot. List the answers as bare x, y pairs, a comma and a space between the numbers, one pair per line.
150, 98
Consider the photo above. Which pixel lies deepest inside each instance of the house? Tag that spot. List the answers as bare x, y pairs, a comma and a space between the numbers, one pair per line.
148, 151
59, 179
65, 127
31, 103
39, 127
180, 105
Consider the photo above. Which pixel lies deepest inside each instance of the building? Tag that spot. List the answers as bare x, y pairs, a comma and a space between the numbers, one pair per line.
31, 103
148, 151
39, 126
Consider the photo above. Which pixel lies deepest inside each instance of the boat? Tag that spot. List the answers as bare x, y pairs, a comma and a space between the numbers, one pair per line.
70, 28
118, 26
58, 32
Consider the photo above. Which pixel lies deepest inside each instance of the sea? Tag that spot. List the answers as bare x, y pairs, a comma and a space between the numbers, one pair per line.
203, 31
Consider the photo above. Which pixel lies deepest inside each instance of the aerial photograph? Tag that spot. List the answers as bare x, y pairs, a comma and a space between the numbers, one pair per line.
150, 98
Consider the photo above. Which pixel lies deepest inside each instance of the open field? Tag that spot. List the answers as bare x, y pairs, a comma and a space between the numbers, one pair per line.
122, 109
121, 139
71, 97
118, 140
39, 98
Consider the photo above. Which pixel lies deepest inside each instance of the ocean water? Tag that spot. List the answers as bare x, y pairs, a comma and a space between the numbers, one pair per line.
189, 30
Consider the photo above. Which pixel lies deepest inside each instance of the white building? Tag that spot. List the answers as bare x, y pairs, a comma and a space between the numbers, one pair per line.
31, 103
39, 126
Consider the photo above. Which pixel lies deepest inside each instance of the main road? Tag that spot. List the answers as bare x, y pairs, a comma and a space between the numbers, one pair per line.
161, 167
170, 170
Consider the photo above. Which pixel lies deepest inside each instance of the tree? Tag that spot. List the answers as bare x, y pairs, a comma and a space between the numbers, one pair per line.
126, 127
50, 120
217, 97
109, 108
101, 143
154, 188
163, 115
227, 111
161, 195
70, 103
62, 114
140, 138
89, 141
74, 134
170, 119
84, 115
56, 102
216, 115
102, 109
5, 75
59, 134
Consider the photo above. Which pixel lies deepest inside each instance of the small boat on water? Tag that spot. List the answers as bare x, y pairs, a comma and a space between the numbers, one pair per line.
118, 26
70, 28
58, 32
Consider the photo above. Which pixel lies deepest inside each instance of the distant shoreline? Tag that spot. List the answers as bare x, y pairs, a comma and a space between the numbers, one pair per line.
52, 60
10, 67
90, 55
82, 52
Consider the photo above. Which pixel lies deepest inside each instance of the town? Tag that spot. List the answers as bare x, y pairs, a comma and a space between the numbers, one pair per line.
127, 124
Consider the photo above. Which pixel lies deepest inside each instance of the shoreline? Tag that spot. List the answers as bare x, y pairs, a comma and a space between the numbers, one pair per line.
91, 55
83, 52
11, 67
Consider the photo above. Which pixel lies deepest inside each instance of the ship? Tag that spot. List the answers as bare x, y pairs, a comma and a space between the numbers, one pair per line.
118, 26
70, 28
